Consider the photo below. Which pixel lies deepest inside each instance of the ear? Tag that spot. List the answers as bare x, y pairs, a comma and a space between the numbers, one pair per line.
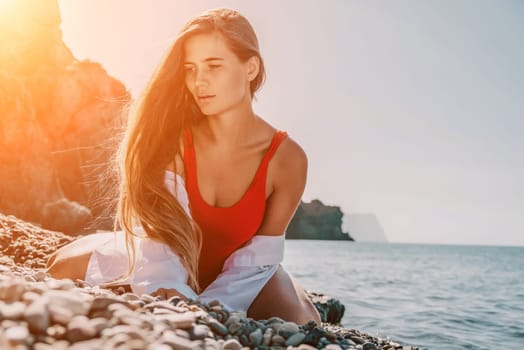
253, 67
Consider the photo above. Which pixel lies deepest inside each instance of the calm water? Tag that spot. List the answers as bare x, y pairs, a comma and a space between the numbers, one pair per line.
431, 296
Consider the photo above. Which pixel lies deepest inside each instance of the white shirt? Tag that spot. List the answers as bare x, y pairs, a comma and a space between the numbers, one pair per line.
244, 274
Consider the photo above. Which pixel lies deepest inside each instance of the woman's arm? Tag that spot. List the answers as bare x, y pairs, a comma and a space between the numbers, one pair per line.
288, 173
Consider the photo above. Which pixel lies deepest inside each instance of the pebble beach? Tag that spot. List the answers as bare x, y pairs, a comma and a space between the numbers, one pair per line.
43, 313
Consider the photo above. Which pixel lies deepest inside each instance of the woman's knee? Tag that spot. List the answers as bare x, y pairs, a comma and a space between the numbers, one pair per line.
71, 260
63, 265
284, 298
73, 267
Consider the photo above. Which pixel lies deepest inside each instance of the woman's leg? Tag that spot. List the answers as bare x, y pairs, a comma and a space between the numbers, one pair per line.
65, 265
71, 260
283, 297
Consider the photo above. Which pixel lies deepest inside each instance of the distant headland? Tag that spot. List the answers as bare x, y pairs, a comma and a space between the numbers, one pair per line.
316, 220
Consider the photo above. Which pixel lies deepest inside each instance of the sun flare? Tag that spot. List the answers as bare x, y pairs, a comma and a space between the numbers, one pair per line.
10, 14
8, 6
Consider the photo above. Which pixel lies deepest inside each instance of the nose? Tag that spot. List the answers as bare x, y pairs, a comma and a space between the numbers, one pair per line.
201, 78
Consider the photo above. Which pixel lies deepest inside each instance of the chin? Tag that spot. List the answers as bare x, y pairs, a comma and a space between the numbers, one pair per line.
211, 111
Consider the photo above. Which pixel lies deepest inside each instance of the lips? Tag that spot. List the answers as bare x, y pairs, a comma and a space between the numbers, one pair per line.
205, 97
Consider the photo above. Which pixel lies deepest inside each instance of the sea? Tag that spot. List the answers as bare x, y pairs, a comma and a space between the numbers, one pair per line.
424, 295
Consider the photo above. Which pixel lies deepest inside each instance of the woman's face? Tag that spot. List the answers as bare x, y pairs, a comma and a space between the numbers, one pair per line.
215, 77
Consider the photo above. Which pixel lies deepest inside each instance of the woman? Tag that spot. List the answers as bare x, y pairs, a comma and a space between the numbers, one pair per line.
194, 128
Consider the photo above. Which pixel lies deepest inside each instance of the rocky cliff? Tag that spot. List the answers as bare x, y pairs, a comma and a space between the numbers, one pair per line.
315, 220
58, 119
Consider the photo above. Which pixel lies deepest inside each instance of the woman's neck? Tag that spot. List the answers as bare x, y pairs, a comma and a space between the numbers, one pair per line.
231, 129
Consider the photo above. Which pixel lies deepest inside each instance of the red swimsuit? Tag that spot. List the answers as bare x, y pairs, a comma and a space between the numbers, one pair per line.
226, 229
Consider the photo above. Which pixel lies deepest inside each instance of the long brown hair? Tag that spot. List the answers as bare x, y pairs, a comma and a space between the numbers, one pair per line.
152, 140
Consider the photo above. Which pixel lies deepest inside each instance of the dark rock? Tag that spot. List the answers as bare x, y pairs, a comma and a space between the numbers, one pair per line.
256, 337
218, 327
295, 339
313, 337
287, 329
369, 346
331, 310
315, 220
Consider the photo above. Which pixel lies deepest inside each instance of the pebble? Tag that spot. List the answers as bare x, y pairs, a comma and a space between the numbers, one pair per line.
28, 297
72, 301
16, 335
80, 329
40, 275
183, 333
102, 303
37, 316
90, 344
99, 324
60, 314
147, 298
10, 292
218, 327
306, 347
287, 329
267, 336
12, 311
357, 340
199, 331
278, 340
232, 344
295, 339
130, 297
369, 346
234, 327
129, 331
158, 346
256, 337
57, 331
177, 342
184, 320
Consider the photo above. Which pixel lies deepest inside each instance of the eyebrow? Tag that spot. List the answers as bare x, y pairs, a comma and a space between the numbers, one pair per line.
207, 60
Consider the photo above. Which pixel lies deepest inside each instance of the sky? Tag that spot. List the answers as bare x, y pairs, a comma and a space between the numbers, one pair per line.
411, 110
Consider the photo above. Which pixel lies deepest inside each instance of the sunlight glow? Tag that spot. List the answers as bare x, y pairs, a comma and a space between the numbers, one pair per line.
12, 17
6, 5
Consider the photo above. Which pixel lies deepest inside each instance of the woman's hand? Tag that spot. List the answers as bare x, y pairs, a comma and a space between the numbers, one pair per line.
165, 294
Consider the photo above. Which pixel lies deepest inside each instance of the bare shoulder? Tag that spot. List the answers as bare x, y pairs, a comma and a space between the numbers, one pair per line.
289, 168
290, 156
